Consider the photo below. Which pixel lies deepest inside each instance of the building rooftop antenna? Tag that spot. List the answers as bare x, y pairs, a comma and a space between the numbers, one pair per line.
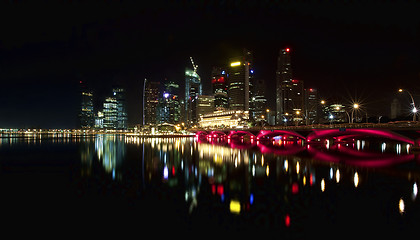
194, 66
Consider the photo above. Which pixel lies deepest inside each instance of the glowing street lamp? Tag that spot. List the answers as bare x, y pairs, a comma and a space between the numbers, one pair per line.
414, 110
355, 107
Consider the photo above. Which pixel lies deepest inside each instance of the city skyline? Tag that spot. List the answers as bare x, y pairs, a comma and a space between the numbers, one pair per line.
44, 55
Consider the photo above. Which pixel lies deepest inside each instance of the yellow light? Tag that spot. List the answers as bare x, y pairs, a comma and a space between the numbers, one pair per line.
400, 90
235, 206
356, 179
401, 206
356, 106
322, 185
267, 170
234, 64
322, 102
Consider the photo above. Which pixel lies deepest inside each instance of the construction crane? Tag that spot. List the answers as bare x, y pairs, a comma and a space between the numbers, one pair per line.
194, 66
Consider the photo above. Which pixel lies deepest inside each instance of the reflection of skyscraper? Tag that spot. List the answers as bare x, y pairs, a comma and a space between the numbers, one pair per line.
151, 102
86, 115
192, 90
239, 76
111, 152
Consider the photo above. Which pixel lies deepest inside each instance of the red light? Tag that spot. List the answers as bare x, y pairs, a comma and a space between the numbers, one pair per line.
295, 81
220, 190
173, 170
287, 220
295, 188
287, 49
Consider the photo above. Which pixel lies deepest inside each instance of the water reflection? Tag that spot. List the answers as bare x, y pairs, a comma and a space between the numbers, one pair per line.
286, 184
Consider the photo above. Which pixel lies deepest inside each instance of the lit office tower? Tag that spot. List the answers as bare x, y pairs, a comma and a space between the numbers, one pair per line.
151, 100
311, 106
119, 94
239, 75
289, 93
168, 109
86, 115
259, 101
110, 111
205, 105
220, 88
114, 110
192, 90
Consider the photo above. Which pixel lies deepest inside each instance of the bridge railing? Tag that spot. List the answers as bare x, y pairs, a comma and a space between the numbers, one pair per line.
391, 125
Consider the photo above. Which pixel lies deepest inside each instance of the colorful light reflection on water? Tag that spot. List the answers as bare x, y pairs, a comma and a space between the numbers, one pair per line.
285, 186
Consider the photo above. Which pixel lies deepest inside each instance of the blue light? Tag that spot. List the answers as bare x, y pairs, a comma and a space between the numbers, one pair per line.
252, 71
223, 72
166, 95
251, 198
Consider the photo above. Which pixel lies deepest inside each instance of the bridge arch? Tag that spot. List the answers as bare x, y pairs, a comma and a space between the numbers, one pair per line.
272, 133
201, 134
340, 133
240, 133
217, 134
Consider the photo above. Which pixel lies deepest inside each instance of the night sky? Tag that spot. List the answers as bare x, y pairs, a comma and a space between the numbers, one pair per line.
360, 50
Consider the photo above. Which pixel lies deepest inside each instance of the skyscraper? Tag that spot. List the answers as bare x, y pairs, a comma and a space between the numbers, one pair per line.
119, 94
205, 105
193, 88
86, 114
151, 98
289, 92
220, 88
311, 106
114, 110
239, 75
259, 101
169, 110
110, 112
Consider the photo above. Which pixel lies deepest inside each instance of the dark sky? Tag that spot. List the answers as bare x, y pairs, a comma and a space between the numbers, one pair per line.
360, 50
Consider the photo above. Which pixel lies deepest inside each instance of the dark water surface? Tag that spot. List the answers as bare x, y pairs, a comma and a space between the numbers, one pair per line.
109, 183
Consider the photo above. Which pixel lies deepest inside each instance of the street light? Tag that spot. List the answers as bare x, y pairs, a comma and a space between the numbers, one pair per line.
355, 107
414, 110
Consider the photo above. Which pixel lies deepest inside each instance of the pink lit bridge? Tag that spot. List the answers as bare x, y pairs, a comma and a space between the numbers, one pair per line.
411, 136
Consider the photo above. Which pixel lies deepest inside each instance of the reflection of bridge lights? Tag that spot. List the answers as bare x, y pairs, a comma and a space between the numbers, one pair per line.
165, 172
383, 147
337, 176
356, 179
398, 148
415, 190
401, 206
286, 165
297, 167
331, 173
322, 185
